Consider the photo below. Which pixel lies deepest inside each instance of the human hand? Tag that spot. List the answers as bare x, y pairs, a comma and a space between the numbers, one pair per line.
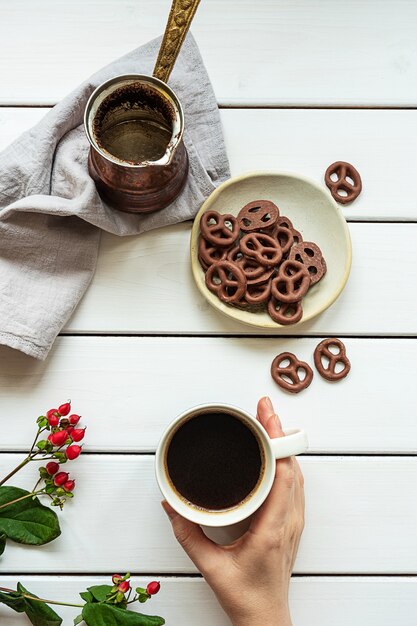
251, 576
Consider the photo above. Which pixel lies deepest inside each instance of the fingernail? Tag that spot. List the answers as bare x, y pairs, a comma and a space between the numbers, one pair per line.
268, 403
168, 509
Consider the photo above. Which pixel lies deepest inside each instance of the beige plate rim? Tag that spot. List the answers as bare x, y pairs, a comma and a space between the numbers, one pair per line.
246, 317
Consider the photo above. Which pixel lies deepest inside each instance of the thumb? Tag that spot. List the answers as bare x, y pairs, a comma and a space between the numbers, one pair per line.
190, 536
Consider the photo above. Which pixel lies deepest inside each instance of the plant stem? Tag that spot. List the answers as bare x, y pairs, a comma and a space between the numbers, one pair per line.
28, 597
26, 460
29, 495
16, 469
35, 440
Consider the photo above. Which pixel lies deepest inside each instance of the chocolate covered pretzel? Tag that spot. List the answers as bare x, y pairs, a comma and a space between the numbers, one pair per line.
343, 170
285, 238
309, 254
258, 294
257, 215
208, 253
328, 370
291, 283
281, 373
285, 313
226, 280
261, 247
220, 230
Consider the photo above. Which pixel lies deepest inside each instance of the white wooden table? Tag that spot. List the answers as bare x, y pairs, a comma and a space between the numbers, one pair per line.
300, 83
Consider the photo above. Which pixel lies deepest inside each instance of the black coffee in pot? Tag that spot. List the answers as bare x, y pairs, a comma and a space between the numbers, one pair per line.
214, 461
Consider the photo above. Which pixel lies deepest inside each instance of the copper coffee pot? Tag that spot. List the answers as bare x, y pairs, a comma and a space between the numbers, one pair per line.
135, 126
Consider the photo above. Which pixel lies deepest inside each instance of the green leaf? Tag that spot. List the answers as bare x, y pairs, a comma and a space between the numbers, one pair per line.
98, 614
43, 473
99, 592
42, 444
87, 596
13, 600
27, 521
140, 590
41, 421
2, 543
78, 620
39, 613
60, 456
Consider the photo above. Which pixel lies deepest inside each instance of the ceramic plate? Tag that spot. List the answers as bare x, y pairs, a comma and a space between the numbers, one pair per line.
312, 211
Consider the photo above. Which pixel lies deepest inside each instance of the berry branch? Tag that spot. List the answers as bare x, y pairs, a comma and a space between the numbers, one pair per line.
102, 604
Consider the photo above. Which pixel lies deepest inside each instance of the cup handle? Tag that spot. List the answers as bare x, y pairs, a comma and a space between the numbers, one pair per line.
294, 442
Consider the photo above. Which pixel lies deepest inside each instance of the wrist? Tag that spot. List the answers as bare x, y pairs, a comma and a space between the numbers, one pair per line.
277, 616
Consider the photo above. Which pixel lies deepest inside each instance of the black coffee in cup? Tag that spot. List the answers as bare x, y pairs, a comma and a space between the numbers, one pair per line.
214, 461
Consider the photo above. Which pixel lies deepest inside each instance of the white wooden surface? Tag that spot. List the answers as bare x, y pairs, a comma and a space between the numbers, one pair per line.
142, 383
326, 601
360, 52
360, 518
144, 285
361, 510
377, 142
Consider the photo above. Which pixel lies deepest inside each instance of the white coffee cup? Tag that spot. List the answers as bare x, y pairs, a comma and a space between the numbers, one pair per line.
295, 442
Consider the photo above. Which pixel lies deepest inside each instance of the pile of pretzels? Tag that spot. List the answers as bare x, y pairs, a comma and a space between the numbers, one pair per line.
259, 260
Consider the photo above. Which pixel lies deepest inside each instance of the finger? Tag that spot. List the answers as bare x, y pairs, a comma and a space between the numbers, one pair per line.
280, 502
268, 418
190, 536
298, 513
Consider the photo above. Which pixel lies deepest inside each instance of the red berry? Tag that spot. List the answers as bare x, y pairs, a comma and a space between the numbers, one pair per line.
124, 586
59, 438
74, 419
153, 587
72, 452
116, 578
70, 429
60, 479
50, 437
65, 408
52, 468
53, 420
78, 434
69, 485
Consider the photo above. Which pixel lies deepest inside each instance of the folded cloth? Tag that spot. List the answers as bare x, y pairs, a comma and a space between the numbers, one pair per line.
51, 213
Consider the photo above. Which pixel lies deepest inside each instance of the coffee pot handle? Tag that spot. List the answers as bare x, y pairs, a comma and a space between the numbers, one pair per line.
295, 442
179, 20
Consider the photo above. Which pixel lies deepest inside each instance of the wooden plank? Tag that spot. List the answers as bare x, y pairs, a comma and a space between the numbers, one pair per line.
158, 378
144, 285
352, 53
274, 140
314, 601
360, 518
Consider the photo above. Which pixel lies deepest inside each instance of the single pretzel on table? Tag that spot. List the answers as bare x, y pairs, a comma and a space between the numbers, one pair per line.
343, 171
281, 373
329, 371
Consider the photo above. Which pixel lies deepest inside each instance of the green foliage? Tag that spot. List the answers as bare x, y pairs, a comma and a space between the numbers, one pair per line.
99, 614
27, 521
99, 592
39, 613
2, 543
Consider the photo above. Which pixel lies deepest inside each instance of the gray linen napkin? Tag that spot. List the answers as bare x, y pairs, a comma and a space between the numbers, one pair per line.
50, 209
